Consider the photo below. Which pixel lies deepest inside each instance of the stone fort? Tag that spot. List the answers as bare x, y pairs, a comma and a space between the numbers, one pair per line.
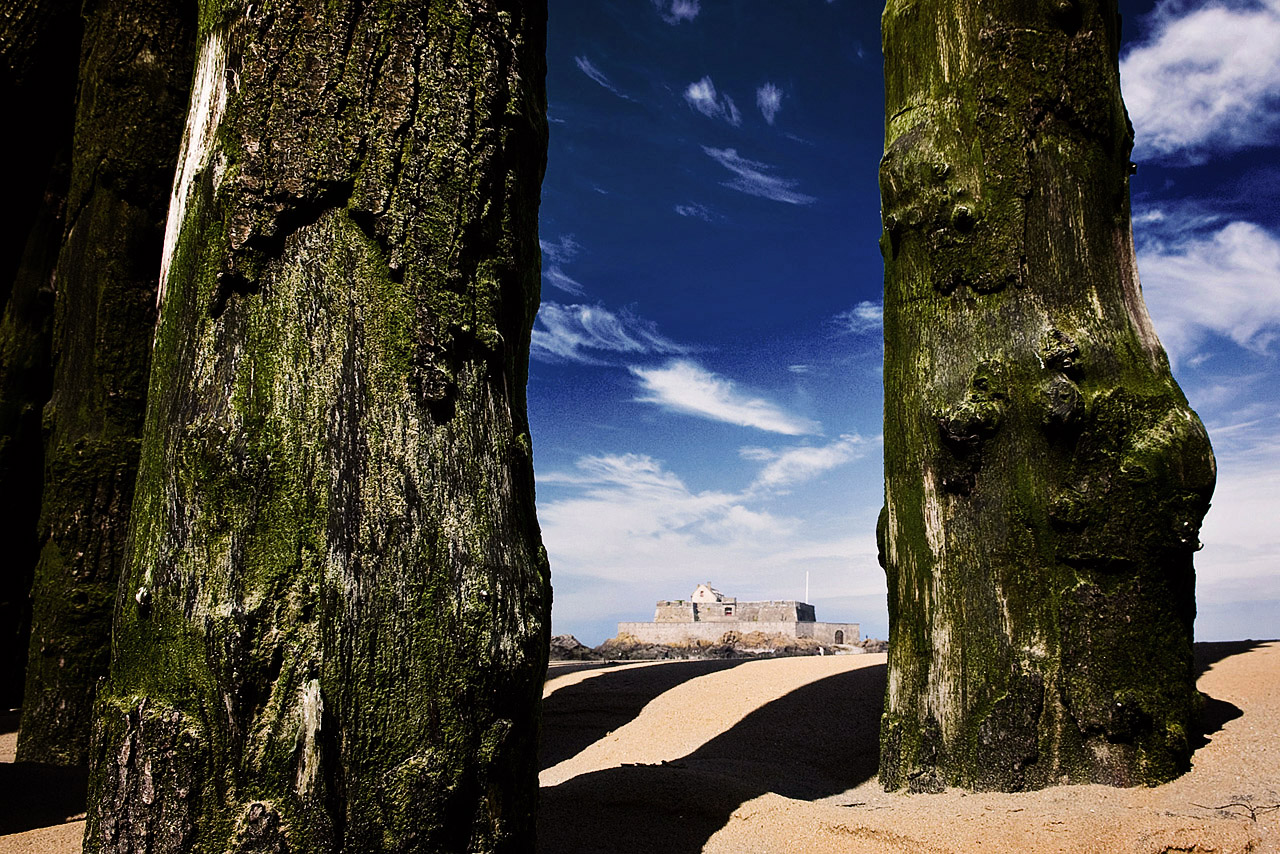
708, 614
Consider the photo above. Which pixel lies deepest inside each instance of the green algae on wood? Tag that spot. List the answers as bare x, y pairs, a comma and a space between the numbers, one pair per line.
1045, 479
332, 626
136, 62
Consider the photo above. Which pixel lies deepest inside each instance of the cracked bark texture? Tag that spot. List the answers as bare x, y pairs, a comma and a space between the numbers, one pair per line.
332, 626
1045, 479
134, 74
39, 41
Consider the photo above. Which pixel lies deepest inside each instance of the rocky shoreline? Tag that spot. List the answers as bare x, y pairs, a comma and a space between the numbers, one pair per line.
730, 645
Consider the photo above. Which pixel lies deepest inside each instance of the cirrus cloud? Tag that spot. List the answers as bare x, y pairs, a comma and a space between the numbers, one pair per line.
1223, 283
863, 317
587, 67
557, 253
686, 387
701, 95
754, 178
584, 333
769, 100
796, 465
675, 11
696, 211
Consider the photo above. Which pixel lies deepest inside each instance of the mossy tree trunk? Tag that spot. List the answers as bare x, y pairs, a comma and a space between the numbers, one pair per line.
39, 43
1045, 479
332, 626
134, 74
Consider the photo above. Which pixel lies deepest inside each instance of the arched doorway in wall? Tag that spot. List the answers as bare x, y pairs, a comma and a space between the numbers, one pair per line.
839, 636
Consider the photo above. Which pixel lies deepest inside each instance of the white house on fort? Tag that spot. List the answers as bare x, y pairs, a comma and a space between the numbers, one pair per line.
708, 614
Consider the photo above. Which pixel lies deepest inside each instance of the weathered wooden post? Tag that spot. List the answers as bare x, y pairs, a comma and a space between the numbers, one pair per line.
134, 73
333, 626
1044, 477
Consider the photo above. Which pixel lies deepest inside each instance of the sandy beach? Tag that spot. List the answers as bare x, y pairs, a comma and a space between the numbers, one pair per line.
779, 756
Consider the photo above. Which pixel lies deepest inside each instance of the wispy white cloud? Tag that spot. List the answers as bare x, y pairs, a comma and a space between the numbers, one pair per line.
634, 502
628, 506
584, 333
769, 100
675, 11
560, 251
795, 465
731, 114
701, 95
863, 317
557, 253
1172, 220
639, 478
754, 178
683, 386
1225, 283
558, 278
588, 68
696, 211
1207, 80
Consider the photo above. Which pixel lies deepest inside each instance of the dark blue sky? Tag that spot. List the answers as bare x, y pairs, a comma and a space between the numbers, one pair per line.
705, 385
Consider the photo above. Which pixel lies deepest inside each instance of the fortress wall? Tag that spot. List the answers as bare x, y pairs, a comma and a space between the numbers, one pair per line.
826, 632
775, 611
676, 632
678, 611
673, 632
713, 612
683, 611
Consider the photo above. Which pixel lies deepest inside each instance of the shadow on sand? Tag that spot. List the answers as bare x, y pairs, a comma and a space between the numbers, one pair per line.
1209, 653
577, 716
815, 742
1214, 714
37, 795
33, 794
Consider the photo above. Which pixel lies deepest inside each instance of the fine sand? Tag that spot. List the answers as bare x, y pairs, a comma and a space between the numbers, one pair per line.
779, 756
